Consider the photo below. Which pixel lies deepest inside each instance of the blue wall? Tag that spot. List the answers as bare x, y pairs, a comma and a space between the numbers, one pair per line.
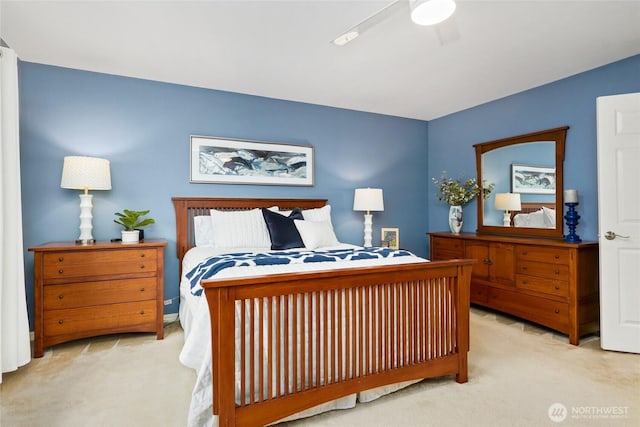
143, 128
568, 102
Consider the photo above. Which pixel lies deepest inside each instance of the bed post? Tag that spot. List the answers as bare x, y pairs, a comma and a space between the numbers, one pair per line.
222, 303
462, 312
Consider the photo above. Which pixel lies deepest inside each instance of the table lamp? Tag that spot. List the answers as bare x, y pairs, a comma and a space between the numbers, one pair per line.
85, 173
368, 199
507, 202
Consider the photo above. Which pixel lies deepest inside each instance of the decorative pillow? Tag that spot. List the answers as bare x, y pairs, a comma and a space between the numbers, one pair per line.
239, 229
317, 214
549, 217
282, 229
316, 234
534, 220
202, 230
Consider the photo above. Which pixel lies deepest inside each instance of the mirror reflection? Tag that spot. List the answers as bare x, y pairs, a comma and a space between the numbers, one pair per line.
524, 172
527, 173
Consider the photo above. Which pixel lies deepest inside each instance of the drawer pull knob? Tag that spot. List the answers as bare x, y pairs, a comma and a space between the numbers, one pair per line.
556, 311
60, 271
557, 257
60, 259
142, 312
557, 288
60, 322
60, 296
524, 268
141, 255
525, 253
141, 265
557, 271
141, 289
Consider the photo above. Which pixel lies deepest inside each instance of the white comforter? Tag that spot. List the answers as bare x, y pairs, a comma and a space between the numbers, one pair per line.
194, 317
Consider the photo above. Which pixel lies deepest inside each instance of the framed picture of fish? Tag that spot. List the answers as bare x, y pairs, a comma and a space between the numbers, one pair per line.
235, 161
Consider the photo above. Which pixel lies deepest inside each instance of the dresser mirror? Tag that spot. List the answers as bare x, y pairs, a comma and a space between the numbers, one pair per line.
525, 167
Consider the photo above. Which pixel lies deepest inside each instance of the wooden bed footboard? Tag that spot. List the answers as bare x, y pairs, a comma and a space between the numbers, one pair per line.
309, 338
314, 337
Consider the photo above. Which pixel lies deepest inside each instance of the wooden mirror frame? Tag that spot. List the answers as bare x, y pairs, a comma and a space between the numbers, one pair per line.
557, 135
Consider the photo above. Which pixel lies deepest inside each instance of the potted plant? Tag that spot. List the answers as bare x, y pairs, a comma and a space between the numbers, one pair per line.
458, 193
132, 221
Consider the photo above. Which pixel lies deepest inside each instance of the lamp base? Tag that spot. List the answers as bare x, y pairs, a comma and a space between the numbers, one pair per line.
85, 242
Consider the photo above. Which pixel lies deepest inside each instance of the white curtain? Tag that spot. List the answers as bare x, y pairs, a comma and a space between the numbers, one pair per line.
15, 349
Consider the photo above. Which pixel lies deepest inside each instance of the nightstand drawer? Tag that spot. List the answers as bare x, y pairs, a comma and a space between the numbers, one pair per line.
539, 284
89, 321
98, 293
541, 269
98, 263
542, 254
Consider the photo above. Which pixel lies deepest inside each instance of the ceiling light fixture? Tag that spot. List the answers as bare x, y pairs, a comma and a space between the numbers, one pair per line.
345, 38
431, 12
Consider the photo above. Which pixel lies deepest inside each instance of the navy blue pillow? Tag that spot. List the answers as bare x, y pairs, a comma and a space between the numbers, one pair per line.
282, 229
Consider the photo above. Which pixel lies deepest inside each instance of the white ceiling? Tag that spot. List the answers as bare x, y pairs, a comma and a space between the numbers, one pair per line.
282, 49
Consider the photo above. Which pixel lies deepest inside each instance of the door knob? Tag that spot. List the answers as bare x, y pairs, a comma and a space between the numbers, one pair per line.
610, 235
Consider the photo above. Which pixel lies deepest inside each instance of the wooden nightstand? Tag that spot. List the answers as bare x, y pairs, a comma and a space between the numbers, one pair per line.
99, 289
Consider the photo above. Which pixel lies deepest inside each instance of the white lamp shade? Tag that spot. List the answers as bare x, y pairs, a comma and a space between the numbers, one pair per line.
508, 202
368, 199
91, 173
431, 12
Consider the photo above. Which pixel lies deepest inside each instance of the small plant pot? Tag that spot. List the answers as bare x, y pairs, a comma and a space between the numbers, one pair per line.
130, 236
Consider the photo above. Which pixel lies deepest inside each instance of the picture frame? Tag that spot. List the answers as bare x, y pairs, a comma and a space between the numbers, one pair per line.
237, 161
533, 179
391, 236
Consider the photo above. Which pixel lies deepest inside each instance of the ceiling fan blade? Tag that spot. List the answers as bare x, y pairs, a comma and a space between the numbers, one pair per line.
368, 22
447, 31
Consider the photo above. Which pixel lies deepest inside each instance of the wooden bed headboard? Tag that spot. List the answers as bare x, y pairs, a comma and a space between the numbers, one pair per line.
529, 207
188, 207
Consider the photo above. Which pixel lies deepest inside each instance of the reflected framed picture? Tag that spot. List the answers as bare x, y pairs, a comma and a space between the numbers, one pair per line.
533, 179
390, 237
235, 161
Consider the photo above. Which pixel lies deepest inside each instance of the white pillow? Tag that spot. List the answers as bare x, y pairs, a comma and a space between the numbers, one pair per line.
202, 230
239, 229
549, 217
533, 219
316, 234
317, 214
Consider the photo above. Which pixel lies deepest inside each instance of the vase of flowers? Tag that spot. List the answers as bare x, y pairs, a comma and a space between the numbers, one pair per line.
457, 193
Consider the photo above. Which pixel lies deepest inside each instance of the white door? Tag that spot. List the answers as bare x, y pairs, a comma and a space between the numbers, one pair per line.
619, 221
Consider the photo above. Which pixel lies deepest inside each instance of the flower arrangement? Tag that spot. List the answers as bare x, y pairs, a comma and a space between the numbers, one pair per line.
459, 192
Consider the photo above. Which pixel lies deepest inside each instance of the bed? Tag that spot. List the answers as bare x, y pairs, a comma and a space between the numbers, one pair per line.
283, 344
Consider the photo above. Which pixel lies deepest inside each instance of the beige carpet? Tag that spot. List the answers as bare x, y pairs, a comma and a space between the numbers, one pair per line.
517, 372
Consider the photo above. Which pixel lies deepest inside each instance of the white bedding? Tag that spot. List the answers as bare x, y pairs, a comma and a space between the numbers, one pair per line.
194, 317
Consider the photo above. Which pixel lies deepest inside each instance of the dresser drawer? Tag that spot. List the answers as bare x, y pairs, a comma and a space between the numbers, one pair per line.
443, 249
98, 263
553, 314
97, 293
541, 269
479, 294
542, 254
539, 284
89, 321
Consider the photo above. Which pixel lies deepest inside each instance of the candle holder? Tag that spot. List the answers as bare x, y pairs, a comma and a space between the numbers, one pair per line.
572, 218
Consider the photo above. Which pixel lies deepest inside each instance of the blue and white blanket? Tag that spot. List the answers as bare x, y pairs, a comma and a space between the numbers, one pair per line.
212, 265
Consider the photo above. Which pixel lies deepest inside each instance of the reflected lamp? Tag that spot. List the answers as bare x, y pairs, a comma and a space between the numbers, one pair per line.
507, 202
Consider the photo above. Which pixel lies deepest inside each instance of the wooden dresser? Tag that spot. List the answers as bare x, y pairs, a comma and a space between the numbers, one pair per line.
104, 288
549, 282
